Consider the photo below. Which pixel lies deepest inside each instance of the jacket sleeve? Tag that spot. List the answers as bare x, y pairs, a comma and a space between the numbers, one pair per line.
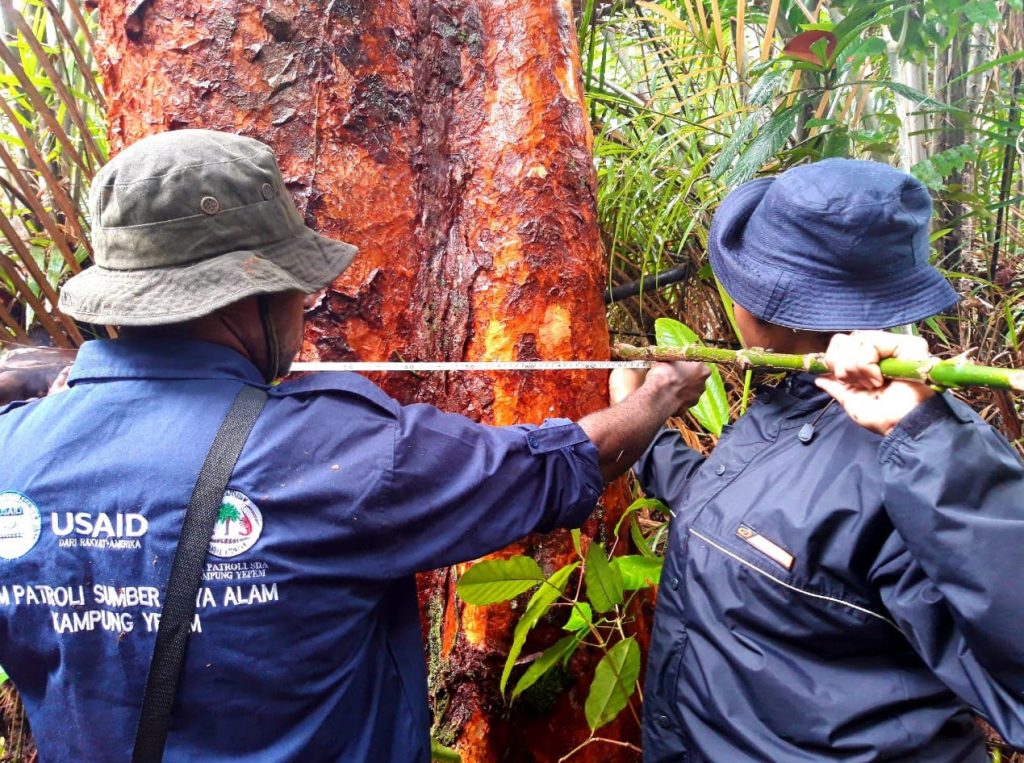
667, 466
954, 490
459, 490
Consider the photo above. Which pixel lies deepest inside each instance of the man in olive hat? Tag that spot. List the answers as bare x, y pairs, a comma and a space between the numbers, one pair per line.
305, 644
839, 585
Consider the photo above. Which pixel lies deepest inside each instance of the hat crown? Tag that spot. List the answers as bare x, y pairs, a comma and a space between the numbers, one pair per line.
843, 219
188, 195
831, 246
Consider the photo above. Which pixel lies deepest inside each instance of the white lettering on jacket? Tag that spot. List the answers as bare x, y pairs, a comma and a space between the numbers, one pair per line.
99, 525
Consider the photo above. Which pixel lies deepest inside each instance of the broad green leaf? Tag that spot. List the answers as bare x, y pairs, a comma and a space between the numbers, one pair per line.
614, 683
575, 535
604, 584
769, 140
638, 571
560, 650
497, 580
712, 409
581, 618
540, 603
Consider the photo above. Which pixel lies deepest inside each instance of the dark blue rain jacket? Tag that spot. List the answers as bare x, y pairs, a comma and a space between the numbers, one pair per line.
851, 598
307, 644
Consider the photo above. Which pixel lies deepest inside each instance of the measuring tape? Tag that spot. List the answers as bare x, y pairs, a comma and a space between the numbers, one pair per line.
498, 365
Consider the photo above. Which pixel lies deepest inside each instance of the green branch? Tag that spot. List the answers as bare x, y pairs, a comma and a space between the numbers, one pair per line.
950, 374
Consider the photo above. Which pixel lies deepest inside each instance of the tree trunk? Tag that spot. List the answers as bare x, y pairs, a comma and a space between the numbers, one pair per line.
448, 140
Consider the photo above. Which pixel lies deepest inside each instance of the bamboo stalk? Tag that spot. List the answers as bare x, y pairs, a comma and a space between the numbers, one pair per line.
741, 12
950, 374
769, 30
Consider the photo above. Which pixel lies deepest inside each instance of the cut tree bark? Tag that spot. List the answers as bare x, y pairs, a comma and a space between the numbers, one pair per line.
449, 141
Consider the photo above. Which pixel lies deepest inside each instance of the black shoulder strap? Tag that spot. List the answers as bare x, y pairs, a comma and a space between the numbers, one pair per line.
186, 573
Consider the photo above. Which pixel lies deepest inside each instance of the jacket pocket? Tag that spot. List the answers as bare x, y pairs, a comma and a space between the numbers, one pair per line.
773, 583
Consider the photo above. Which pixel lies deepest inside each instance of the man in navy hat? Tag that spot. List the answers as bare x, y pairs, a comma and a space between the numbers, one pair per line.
842, 582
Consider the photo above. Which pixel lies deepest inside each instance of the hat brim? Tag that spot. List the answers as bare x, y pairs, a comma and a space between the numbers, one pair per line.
156, 296
799, 301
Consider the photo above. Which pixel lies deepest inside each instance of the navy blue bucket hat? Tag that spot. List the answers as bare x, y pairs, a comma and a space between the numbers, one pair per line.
836, 245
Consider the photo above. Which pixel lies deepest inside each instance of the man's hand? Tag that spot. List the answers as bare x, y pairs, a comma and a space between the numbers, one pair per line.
857, 384
642, 403
682, 379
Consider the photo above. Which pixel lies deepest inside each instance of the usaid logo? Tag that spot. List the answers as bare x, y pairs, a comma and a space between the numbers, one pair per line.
100, 525
19, 525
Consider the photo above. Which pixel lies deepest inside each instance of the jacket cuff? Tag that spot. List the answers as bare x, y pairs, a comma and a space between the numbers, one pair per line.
914, 424
554, 434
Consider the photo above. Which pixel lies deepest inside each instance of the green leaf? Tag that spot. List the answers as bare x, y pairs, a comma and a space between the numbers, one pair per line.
575, 535
581, 618
614, 683
912, 94
560, 650
1008, 58
638, 571
638, 538
712, 409
497, 580
765, 88
3, 676
604, 584
639, 505
769, 140
732, 147
982, 12
872, 46
441, 754
540, 603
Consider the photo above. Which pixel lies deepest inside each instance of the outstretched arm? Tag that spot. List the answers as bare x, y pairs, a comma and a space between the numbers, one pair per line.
622, 432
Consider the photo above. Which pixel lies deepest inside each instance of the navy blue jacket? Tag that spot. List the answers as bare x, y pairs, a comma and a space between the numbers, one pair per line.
307, 642
853, 598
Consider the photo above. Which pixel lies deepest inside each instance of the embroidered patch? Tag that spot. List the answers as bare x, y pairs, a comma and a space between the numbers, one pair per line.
239, 526
19, 525
773, 551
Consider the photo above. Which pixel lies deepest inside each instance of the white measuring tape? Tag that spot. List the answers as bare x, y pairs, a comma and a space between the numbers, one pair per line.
498, 365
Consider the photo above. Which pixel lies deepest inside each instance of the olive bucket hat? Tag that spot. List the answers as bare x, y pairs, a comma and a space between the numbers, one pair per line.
836, 245
186, 222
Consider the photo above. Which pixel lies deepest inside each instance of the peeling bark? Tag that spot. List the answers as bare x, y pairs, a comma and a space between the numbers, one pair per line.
448, 140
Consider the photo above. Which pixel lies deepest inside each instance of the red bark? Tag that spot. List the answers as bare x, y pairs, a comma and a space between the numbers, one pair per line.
449, 141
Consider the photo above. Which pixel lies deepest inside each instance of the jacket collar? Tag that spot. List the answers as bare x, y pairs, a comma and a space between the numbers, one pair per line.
795, 396
107, 359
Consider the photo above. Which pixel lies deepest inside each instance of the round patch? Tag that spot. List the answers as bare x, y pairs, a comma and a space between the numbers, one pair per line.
239, 526
19, 525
